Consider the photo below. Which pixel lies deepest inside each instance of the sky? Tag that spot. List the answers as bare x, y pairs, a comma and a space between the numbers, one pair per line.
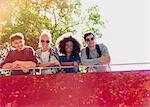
127, 29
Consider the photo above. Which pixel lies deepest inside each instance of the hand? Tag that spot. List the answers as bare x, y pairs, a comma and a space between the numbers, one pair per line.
75, 64
90, 68
105, 59
56, 62
16, 64
7, 66
24, 69
62, 71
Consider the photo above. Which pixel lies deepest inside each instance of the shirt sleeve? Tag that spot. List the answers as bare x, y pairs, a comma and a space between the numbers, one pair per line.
104, 50
37, 54
61, 59
32, 55
77, 58
55, 52
8, 59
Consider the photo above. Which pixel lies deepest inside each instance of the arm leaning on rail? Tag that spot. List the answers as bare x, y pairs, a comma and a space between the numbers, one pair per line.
23, 65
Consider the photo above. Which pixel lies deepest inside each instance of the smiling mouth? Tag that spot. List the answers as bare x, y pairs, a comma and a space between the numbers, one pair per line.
68, 49
20, 47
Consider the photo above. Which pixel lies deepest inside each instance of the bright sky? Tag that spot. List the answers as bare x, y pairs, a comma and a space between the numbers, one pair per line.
127, 32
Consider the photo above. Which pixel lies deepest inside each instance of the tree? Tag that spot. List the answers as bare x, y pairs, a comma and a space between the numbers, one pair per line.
59, 16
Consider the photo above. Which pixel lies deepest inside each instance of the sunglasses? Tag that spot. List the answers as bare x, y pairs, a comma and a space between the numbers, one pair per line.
45, 41
90, 39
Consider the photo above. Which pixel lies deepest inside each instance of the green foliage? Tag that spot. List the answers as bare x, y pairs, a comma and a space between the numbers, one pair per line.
30, 17
93, 21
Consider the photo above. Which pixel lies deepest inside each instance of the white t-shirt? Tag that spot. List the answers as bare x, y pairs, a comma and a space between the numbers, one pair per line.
45, 56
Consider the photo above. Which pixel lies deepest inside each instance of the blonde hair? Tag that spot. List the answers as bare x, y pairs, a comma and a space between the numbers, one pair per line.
45, 32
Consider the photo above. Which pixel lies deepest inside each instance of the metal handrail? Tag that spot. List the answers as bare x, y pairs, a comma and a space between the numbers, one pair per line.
103, 65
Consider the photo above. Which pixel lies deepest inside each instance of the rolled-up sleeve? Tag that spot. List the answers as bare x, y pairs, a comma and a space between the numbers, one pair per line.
104, 50
32, 56
8, 59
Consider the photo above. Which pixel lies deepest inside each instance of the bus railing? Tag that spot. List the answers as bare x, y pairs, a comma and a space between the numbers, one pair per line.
83, 69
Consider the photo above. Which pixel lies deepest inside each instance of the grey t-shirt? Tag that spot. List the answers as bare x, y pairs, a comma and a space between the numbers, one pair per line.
94, 56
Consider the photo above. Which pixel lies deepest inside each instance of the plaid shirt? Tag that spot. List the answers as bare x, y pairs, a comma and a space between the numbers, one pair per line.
53, 52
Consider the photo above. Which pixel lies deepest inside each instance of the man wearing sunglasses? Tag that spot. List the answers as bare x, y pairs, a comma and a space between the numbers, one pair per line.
94, 54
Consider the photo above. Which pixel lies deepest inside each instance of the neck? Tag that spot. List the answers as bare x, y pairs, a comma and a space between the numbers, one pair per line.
44, 49
20, 49
92, 47
68, 54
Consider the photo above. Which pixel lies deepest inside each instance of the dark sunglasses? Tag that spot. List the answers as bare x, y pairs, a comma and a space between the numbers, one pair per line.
90, 39
45, 41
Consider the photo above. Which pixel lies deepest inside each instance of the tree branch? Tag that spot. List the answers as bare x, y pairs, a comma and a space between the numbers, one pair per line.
56, 24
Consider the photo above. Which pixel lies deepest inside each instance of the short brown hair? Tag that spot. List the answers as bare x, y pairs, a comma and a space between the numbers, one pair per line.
87, 34
16, 36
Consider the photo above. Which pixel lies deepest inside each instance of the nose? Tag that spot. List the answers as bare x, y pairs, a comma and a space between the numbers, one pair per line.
45, 44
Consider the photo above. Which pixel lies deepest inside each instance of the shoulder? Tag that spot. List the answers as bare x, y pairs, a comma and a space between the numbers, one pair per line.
53, 49
62, 57
83, 50
38, 51
10, 52
76, 55
29, 48
102, 45
104, 49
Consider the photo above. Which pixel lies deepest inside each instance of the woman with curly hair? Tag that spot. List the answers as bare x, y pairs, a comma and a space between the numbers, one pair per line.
70, 48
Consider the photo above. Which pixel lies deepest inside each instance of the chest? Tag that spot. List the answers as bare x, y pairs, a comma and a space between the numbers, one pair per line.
22, 56
45, 56
68, 59
93, 54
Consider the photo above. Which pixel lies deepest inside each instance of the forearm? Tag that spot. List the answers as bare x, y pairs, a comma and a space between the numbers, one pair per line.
7, 66
105, 59
46, 64
90, 61
108, 60
27, 64
67, 63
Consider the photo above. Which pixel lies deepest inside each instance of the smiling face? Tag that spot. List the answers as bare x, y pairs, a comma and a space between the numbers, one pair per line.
44, 42
69, 47
90, 40
18, 44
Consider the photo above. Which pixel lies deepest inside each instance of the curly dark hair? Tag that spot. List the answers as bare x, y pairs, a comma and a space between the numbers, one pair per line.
76, 45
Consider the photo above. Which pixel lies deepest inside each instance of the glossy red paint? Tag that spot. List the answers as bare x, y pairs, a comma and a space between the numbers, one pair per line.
109, 89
